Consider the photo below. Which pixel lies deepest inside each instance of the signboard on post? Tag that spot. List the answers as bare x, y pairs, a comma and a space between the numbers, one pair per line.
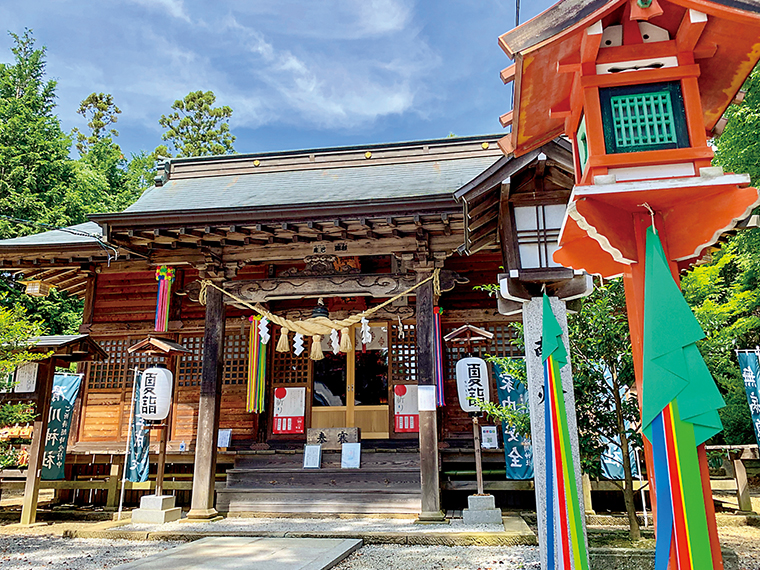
472, 382
406, 410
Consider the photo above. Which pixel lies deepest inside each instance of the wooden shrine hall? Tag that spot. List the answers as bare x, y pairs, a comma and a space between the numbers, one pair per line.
333, 231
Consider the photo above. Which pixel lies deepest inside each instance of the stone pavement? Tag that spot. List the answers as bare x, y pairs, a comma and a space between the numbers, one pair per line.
239, 553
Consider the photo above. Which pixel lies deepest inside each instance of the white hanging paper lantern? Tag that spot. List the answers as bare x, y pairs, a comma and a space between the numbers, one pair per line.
298, 344
155, 394
264, 330
335, 341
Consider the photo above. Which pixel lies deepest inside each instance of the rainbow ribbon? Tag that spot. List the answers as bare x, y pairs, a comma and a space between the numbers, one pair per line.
564, 523
165, 278
438, 356
257, 366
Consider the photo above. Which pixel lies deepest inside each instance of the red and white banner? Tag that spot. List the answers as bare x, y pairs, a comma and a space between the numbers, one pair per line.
289, 410
405, 408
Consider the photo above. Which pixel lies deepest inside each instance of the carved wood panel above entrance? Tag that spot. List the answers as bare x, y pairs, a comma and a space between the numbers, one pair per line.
351, 285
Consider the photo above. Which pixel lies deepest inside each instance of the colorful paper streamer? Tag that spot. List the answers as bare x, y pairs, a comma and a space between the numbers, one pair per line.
562, 502
257, 365
438, 356
165, 278
679, 411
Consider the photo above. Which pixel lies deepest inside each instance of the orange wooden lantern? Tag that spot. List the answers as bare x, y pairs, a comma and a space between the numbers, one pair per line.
638, 86
638, 90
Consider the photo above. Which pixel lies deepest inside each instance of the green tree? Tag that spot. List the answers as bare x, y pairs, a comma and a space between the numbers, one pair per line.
35, 170
102, 112
16, 328
196, 128
725, 292
600, 350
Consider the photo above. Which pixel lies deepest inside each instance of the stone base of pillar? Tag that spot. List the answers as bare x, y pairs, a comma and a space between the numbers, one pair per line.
202, 515
435, 517
481, 510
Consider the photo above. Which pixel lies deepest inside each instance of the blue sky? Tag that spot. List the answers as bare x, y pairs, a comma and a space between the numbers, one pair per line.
297, 74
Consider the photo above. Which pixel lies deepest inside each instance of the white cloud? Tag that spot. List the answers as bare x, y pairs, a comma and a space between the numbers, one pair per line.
175, 8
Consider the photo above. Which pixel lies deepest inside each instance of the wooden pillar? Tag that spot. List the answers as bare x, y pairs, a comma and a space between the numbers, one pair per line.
742, 487
587, 494
204, 471
114, 479
431, 492
37, 449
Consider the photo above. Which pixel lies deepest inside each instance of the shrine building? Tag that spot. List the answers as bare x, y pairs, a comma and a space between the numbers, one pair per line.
331, 232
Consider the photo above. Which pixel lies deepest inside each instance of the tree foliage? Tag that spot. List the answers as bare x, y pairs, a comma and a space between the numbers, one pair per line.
102, 112
725, 292
196, 127
15, 330
603, 376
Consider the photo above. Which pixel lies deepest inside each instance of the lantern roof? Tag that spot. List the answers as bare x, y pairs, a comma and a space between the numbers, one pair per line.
67, 348
469, 333
158, 346
552, 42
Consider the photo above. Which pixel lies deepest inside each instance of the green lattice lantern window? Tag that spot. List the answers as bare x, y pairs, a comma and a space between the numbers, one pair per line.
643, 117
581, 139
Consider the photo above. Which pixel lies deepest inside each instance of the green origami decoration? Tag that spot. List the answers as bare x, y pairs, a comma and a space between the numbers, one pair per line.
673, 367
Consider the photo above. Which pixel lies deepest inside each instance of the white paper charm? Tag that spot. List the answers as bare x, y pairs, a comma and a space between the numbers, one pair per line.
264, 330
335, 341
298, 344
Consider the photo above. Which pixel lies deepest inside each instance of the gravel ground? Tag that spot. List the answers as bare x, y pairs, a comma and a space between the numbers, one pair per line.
406, 526
395, 557
745, 541
55, 553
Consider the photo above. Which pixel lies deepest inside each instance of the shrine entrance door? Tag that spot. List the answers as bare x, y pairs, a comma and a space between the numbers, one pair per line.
351, 390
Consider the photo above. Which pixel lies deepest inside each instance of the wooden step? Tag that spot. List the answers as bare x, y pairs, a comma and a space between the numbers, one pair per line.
329, 459
366, 479
301, 500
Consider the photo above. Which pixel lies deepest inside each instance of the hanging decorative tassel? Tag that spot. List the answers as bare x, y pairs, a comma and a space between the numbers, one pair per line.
257, 363
438, 356
335, 341
165, 278
316, 348
282, 344
345, 340
298, 344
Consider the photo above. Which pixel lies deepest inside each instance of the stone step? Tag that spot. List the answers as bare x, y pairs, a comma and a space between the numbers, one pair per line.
305, 500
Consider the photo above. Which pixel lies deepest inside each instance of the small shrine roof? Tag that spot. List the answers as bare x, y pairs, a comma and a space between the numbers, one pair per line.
72, 235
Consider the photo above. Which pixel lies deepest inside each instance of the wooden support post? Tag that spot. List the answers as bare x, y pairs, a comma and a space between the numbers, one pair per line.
430, 486
114, 478
161, 464
587, 495
478, 454
37, 449
204, 471
742, 487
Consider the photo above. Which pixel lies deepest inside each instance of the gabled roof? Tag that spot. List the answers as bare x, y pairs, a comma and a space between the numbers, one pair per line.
333, 176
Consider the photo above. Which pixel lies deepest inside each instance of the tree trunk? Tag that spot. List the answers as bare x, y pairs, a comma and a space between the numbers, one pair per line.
628, 495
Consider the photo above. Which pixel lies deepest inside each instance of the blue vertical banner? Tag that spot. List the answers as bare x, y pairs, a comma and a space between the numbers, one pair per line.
137, 462
518, 453
612, 457
750, 367
65, 390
